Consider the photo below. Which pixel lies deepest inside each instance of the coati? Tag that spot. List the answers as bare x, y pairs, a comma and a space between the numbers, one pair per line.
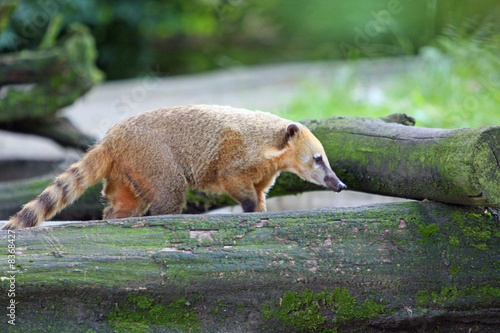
148, 162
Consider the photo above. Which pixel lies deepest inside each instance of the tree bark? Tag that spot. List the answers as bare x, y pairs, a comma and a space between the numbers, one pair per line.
52, 77
400, 267
458, 166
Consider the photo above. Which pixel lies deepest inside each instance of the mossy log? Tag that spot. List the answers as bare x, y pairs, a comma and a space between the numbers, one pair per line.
51, 78
415, 266
458, 166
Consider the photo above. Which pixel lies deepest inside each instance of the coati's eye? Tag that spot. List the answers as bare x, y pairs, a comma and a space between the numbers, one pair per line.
318, 158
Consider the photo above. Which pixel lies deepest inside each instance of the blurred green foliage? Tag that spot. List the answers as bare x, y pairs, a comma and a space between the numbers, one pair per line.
454, 83
184, 36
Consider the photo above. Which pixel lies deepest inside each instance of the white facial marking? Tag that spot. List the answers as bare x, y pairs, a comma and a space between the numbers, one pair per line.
305, 158
317, 155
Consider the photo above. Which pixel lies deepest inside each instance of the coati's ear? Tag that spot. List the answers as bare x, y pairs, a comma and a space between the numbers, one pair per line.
292, 130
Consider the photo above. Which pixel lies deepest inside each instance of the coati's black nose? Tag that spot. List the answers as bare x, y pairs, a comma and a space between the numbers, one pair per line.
341, 187
335, 184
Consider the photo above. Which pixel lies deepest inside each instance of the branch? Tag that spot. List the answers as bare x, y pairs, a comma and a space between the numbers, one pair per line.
51, 78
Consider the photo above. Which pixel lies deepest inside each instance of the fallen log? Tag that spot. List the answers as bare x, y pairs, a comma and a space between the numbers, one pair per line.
393, 267
59, 129
458, 166
370, 155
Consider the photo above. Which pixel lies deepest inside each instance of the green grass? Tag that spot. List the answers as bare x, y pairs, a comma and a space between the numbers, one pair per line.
453, 84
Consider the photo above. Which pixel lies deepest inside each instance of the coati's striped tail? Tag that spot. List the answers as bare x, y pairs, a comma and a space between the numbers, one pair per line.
70, 185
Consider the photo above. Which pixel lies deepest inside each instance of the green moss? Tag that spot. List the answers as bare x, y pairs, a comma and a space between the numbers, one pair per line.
299, 311
427, 298
454, 269
480, 246
428, 231
448, 296
454, 241
477, 229
423, 298
308, 312
141, 312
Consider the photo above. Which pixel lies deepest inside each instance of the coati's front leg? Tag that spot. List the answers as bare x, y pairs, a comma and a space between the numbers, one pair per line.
261, 202
252, 197
249, 200
244, 193
262, 188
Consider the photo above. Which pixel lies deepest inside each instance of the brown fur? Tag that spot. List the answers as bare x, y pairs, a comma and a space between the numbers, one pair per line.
149, 161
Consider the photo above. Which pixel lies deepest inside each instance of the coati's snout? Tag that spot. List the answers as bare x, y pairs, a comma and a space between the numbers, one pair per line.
334, 183
330, 181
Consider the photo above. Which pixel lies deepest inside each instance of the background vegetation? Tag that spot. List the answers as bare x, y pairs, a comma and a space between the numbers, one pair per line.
455, 84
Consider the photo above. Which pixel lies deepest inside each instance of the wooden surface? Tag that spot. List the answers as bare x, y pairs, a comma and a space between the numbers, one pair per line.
421, 261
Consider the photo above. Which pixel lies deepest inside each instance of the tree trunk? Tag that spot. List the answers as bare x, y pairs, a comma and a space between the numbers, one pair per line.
400, 267
370, 155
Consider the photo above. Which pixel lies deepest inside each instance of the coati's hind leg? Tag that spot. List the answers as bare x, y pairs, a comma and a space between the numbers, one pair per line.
169, 202
171, 197
122, 200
